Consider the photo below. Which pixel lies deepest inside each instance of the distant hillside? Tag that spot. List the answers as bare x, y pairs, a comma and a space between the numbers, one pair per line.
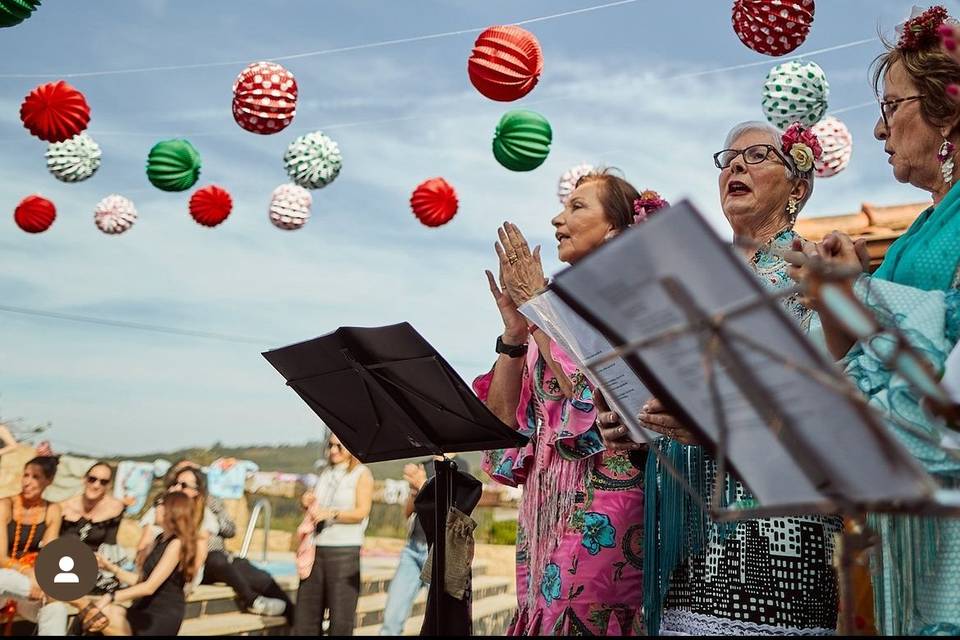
287, 458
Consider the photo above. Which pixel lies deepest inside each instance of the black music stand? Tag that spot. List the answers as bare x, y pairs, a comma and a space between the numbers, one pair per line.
388, 395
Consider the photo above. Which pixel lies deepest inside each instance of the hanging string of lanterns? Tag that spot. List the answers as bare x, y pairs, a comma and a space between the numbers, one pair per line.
505, 64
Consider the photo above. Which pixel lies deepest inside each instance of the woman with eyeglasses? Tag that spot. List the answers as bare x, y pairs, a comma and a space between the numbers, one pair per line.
769, 576
155, 590
328, 560
190, 481
916, 575
94, 516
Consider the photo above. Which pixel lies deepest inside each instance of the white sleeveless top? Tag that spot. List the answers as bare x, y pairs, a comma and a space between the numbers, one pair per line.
336, 489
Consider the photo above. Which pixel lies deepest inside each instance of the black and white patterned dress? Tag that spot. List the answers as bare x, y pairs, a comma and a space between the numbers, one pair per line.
771, 576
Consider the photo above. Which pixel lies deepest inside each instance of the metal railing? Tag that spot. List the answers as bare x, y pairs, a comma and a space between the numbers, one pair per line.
262, 506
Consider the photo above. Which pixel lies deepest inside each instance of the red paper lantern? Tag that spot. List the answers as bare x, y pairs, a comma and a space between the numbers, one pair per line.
506, 63
434, 202
210, 205
264, 98
34, 214
772, 27
55, 112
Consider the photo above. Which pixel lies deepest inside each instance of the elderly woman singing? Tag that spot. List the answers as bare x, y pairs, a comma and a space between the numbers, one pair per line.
580, 535
771, 576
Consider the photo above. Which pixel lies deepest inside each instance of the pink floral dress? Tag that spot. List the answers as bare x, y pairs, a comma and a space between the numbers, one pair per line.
580, 531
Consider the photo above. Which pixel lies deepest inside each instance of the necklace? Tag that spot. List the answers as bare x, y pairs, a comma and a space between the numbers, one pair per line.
765, 247
19, 528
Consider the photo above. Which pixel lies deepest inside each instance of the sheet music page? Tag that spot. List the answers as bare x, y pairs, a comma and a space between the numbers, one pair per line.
792, 439
622, 388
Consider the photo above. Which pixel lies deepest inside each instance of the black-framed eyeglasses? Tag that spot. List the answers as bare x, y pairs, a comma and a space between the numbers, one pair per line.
754, 154
183, 485
889, 107
103, 481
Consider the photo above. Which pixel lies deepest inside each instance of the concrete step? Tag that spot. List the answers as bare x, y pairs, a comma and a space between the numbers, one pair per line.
235, 624
215, 599
490, 618
370, 607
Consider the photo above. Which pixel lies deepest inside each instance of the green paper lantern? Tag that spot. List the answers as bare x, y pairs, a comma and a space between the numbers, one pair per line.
173, 165
522, 140
13, 12
795, 91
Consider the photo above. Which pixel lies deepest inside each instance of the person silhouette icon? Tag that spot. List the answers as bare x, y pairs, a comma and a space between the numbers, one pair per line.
66, 575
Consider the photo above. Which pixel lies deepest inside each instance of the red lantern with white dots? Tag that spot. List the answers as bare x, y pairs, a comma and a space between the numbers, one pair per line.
264, 98
772, 27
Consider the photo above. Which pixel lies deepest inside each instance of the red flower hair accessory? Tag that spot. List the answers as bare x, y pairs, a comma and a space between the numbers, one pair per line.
648, 202
802, 145
920, 29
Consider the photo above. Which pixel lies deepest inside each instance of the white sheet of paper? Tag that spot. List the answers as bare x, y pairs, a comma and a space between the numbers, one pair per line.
622, 388
825, 446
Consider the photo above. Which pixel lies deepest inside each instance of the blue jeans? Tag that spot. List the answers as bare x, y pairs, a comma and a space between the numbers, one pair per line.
404, 588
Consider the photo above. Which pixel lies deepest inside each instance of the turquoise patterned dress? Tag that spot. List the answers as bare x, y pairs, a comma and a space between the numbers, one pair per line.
917, 576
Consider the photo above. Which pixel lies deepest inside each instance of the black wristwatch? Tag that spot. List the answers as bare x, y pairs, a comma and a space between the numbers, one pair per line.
511, 350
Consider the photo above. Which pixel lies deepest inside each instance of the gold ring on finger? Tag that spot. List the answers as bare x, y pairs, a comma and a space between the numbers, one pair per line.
512, 258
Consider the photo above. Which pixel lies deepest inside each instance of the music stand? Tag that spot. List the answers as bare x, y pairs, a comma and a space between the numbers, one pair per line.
719, 351
388, 395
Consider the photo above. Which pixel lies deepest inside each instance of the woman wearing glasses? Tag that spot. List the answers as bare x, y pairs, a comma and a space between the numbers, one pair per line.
190, 481
331, 535
94, 516
917, 574
771, 576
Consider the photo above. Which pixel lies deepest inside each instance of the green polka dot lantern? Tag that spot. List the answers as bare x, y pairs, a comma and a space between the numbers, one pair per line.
313, 160
522, 140
173, 165
795, 91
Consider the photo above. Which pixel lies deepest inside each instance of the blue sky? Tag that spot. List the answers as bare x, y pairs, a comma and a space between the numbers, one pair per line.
401, 114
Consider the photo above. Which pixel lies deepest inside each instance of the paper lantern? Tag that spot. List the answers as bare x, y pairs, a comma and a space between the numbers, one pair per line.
522, 140
34, 214
434, 202
13, 12
73, 160
795, 92
772, 27
569, 179
264, 98
114, 214
506, 63
290, 206
173, 165
55, 111
313, 160
837, 144
210, 205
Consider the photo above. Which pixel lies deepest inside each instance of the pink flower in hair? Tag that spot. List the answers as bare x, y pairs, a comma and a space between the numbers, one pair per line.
802, 145
648, 202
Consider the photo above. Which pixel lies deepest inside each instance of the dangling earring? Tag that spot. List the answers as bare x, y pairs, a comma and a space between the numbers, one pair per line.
792, 205
945, 158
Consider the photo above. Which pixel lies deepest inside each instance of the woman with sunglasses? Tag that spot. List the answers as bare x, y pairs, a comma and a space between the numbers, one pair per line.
916, 575
331, 535
769, 576
190, 481
156, 590
94, 516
